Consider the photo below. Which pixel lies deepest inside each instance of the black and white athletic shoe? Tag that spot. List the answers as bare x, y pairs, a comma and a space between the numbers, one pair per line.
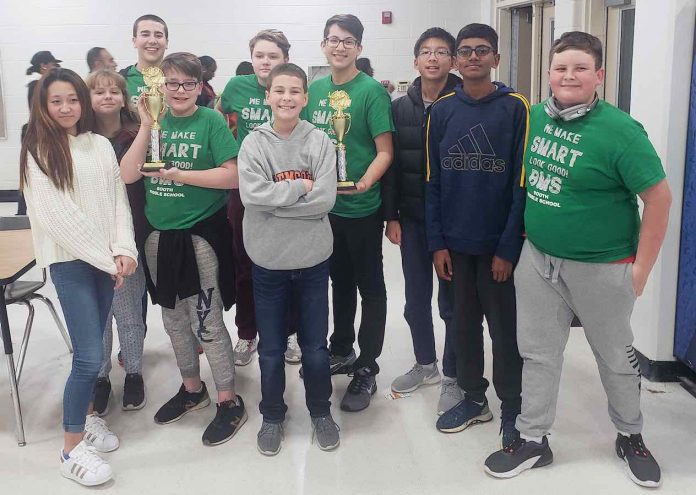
641, 466
517, 457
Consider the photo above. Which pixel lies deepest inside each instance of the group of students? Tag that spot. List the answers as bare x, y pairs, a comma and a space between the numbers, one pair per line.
529, 216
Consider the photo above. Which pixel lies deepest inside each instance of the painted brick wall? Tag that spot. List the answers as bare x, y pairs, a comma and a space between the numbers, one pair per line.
220, 29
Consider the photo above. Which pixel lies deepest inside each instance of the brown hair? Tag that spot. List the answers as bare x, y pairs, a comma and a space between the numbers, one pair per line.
150, 17
348, 22
287, 70
46, 140
108, 77
578, 40
274, 36
184, 62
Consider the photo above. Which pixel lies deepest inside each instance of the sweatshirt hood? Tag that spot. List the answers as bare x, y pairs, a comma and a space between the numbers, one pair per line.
299, 133
501, 90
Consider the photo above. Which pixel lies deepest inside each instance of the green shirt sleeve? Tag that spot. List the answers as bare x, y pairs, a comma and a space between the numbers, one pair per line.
639, 166
379, 115
223, 146
226, 99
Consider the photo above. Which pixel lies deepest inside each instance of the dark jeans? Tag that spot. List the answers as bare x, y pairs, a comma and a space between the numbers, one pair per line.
273, 291
476, 295
417, 265
85, 294
356, 264
245, 317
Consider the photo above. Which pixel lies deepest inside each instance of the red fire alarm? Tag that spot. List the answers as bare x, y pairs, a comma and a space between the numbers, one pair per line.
386, 17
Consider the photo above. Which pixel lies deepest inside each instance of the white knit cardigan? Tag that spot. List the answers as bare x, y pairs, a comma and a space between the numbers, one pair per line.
92, 222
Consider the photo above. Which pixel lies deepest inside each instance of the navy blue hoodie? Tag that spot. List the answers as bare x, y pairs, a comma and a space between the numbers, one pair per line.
474, 202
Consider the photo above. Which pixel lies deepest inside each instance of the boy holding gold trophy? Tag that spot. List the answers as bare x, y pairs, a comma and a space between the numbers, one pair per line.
355, 109
187, 252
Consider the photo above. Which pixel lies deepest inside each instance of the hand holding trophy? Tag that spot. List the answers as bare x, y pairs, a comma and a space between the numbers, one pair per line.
154, 102
339, 101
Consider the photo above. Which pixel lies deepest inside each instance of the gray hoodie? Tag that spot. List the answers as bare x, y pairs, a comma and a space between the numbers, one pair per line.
284, 227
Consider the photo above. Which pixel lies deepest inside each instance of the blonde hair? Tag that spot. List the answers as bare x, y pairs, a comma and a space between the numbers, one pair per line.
274, 36
107, 77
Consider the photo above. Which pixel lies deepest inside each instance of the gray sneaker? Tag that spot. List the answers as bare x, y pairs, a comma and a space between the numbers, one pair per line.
269, 438
450, 395
325, 430
339, 365
418, 375
243, 351
360, 390
293, 353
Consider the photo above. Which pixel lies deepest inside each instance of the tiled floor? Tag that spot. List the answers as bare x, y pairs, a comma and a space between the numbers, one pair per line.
391, 448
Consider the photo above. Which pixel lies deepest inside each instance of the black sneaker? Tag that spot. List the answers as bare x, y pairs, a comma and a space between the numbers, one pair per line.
102, 392
517, 457
133, 392
180, 404
339, 365
641, 466
229, 418
360, 390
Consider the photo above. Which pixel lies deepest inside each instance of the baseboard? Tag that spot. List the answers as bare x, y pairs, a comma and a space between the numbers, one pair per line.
8, 196
689, 384
663, 371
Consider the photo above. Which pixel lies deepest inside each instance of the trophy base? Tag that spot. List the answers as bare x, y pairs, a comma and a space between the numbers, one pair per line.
346, 185
154, 166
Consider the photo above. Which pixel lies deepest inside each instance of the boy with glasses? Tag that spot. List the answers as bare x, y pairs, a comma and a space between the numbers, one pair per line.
587, 253
356, 220
151, 40
474, 209
245, 97
187, 253
403, 194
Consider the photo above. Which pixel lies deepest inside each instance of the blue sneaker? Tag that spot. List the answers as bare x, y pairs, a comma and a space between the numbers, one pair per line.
463, 415
507, 427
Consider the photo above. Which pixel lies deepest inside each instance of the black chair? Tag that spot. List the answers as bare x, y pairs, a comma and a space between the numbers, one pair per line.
24, 292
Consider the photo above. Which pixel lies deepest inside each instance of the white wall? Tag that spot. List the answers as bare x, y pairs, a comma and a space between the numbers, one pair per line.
662, 57
221, 29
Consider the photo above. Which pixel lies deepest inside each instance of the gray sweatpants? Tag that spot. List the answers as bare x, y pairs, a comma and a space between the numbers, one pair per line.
127, 309
549, 290
198, 319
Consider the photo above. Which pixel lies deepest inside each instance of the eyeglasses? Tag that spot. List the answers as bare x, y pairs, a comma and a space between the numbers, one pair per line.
348, 43
187, 85
441, 53
467, 51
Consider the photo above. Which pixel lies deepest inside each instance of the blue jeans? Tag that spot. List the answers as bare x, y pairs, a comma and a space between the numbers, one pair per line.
308, 290
417, 264
85, 294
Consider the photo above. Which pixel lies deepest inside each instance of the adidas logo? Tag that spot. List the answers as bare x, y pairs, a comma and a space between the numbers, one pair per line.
473, 151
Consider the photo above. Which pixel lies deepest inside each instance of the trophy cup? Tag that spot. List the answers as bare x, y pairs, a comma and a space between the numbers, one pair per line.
154, 102
340, 121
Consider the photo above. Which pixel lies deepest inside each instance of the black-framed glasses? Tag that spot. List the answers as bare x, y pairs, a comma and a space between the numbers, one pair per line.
480, 51
174, 85
348, 43
440, 53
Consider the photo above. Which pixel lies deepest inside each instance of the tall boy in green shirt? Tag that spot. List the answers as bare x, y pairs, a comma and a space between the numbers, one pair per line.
356, 219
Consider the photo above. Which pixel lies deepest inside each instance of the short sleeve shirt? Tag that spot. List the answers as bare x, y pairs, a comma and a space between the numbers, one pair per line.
244, 96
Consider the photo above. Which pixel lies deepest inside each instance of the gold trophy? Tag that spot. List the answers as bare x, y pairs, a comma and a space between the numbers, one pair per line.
154, 102
340, 121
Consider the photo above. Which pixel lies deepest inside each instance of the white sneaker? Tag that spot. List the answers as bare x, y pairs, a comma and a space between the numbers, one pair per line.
85, 466
293, 353
243, 351
98, 435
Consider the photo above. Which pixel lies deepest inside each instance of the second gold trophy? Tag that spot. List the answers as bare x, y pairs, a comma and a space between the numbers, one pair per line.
339, 101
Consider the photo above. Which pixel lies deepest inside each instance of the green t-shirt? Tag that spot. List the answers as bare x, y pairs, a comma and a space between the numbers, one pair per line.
201, 141
244, 96
135, 84
370, 116
582, 180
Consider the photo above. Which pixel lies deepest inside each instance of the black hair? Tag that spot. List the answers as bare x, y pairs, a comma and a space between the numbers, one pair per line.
435, 32
93, 55
477, 30
348, 22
